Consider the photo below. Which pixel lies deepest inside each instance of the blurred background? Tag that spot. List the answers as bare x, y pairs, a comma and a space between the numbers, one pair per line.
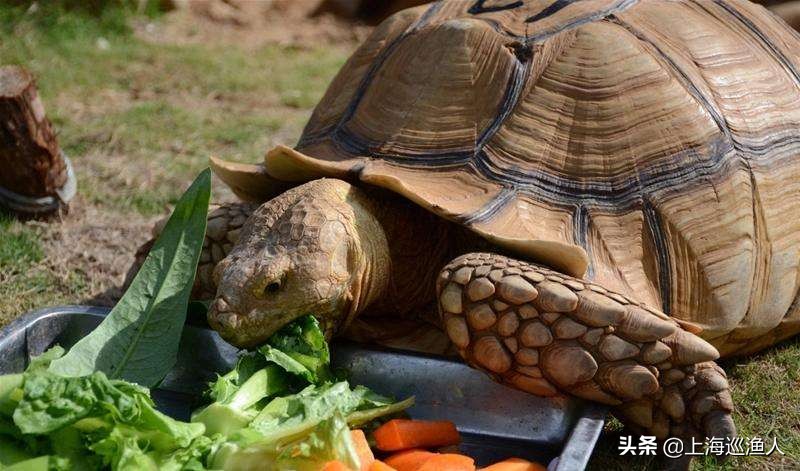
141, 92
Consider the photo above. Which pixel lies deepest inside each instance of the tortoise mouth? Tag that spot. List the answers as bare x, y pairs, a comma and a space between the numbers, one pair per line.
246, 330
252, 329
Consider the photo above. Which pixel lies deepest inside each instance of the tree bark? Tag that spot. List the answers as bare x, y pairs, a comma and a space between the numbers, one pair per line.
30, 161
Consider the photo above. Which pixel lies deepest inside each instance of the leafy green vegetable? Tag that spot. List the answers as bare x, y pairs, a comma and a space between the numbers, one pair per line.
138, 340
329, 440
90, 422
286, 418
300, 348
51, 401
274, 410
237, 406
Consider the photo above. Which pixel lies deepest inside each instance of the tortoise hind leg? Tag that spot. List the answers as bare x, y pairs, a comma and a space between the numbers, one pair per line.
545, 333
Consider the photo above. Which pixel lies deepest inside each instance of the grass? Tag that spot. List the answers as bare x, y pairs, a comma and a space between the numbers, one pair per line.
157, 111
139, 120
25, 282
766, 391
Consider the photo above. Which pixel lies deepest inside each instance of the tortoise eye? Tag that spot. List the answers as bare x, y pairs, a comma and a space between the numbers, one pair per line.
272, 287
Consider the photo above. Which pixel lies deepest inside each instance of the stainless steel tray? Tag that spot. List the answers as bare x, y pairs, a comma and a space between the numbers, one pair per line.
496, 422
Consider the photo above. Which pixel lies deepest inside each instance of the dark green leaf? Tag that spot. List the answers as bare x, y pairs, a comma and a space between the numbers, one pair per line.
138, 341
300, 348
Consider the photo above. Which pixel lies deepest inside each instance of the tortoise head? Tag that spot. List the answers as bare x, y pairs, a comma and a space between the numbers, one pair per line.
300, 253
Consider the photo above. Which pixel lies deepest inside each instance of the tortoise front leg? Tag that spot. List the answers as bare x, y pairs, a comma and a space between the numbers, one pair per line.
544, 332
225, 222
224, 225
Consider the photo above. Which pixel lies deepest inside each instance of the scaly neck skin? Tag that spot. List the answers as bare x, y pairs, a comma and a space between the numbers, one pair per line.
404, 247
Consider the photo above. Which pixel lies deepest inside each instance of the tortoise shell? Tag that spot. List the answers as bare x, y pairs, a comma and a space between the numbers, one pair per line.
654, 142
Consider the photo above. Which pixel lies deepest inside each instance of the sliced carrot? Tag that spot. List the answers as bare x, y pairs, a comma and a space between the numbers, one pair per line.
363, 450
448, 462
335, 465
409, 460
515, 464
402, 434
379, 465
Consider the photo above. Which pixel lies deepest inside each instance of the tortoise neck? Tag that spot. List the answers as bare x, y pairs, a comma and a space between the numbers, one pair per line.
417, 245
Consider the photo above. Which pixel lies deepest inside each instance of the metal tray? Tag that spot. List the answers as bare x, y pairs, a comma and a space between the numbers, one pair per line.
495, 421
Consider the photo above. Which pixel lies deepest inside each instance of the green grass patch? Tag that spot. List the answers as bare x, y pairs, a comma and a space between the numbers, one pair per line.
19, 247
139, 118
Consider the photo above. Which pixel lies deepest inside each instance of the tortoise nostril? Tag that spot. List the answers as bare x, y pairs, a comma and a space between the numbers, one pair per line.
272, 287
222, 305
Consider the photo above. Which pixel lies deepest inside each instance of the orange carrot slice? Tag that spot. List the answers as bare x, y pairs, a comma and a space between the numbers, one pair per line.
409, 460
448, 462
335, 465
378, 465
402, 434
515, 464
363, 450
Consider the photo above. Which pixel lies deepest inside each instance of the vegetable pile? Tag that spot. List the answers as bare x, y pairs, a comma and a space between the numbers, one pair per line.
281, 407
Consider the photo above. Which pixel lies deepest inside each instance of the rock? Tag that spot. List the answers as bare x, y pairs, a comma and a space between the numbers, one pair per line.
550, 317
216, 229
531, 371
591, 391
498, 305
574, 285
639, 412
672, 376
672, 403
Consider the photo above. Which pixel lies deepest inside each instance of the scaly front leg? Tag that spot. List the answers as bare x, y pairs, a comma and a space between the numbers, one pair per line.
544, 332
225, 223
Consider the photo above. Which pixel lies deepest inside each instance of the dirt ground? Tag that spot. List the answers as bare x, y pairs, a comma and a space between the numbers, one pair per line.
251, 24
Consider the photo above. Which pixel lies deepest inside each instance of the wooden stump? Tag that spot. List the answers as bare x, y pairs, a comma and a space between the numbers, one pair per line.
34, 175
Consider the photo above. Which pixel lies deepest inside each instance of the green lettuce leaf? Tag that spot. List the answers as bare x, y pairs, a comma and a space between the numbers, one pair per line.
51, 401
138, 341
290, 417
329, 440
238, 404
300, 348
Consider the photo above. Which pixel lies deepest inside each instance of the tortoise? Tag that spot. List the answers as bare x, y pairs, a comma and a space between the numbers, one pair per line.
592, 198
